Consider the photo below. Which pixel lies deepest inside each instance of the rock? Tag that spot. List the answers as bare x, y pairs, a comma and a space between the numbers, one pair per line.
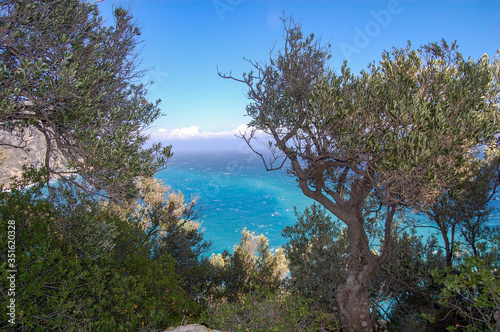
191, 328
32, 154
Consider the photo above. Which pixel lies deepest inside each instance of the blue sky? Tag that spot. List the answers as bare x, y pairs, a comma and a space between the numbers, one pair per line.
186, 40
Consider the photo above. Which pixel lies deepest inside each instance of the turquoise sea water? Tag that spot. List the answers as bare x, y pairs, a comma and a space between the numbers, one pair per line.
235, 191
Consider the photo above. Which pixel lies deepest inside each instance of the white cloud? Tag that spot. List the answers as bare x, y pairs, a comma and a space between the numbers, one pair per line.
194, 132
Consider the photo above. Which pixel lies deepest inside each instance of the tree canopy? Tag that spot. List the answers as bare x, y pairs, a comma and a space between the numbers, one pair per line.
68, 76
394, 135
418, 129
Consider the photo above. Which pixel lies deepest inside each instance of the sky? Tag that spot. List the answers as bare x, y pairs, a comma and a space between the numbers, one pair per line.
185, 43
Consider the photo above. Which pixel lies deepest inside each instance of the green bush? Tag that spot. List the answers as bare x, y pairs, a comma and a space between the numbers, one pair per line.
60, 286
317, 255
251, 263
472, 291
404, 288
168, 223
266, 311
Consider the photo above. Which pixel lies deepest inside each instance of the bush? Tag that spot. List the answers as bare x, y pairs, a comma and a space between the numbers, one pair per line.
60, 286
169, 226
473, 292
404, 287
403, 290
251, 263
317, 255
265, 311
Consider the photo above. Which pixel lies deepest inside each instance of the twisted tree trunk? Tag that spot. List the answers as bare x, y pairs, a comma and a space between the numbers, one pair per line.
353, 297
354, 307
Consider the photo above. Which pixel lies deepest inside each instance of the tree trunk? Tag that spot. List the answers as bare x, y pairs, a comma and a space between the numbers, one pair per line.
354, 307
353, 297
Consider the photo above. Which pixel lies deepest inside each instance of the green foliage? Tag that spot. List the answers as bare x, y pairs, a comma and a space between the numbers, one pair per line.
267, 311
84, 264
60, 285
403, 287
73, 80
317, 254
473, 292
414, 116
461, 213
250, 265
400, 132
170, 227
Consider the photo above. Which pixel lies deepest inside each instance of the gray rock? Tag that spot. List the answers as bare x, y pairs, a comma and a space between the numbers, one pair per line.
13, 159
191, 328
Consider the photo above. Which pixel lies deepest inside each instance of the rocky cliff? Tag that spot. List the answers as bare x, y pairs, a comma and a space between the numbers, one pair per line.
13, 158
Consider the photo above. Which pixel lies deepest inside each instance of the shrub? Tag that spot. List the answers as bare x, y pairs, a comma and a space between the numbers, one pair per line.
317, 255
265, 311
169, 226
251, 263
473, 292
60, 286
404, 287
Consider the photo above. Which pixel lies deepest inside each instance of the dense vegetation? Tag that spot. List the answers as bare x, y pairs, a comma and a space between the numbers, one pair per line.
110, 248
411, 132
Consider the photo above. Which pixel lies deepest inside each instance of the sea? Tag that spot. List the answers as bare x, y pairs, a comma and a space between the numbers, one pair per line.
235, 191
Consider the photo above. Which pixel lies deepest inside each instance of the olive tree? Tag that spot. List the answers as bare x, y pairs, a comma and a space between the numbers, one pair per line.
399, 131
73, 81
462, 213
